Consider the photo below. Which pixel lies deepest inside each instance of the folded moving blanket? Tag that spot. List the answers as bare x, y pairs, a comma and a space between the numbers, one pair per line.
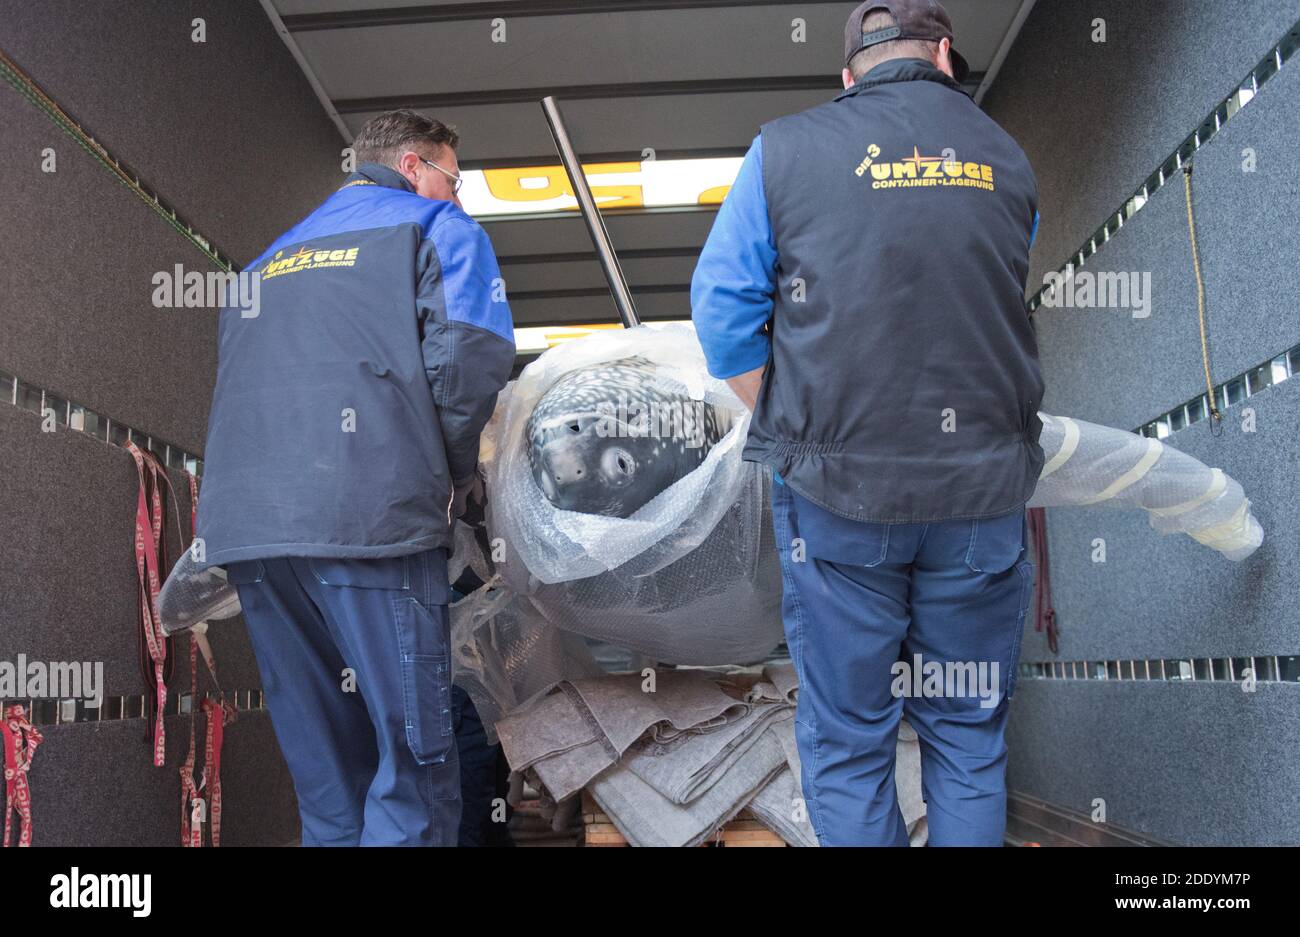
647, 818
572, 735
683, 768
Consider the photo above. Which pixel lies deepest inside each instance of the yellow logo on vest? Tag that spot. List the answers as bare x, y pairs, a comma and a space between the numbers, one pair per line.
306, 259
917, 171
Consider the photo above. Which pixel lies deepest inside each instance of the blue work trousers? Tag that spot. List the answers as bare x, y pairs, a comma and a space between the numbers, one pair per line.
356, 674
884, 620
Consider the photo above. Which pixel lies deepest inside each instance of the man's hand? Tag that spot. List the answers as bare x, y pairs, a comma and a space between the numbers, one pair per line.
467, 493
747, 386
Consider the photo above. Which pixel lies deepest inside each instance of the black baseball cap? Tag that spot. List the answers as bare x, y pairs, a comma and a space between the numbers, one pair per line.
916, 19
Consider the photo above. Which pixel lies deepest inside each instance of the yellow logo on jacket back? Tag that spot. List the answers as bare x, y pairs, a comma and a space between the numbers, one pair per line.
917, 171
306, 259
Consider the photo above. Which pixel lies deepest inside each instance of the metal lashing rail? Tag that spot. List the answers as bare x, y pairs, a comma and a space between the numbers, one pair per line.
29, 89
591, 215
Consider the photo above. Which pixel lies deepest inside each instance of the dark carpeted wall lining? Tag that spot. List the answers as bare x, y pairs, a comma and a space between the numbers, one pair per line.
228, 133
67, 589
1097, 118
1184, 763
1243, 220
227, 130
94, 784
1193, 763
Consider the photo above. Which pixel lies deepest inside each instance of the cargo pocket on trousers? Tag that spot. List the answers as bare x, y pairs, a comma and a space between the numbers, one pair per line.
1026, 569
996, 543
423, 640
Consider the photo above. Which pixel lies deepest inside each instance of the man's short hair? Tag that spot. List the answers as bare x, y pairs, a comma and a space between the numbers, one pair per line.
387, 136
870, 57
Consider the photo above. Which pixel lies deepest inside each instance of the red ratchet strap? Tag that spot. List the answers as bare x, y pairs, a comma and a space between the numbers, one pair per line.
1044, 613
150, 552
195, 809
20, 741
218, 714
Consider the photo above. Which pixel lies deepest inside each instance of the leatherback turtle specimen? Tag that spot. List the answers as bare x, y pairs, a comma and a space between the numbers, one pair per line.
607, 439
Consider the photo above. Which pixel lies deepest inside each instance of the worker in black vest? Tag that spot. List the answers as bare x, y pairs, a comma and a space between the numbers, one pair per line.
862, 290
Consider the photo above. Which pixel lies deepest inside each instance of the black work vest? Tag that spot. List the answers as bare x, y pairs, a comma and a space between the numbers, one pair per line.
904, 382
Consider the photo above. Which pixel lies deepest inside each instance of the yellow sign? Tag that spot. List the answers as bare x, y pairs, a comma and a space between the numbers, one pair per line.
651, 183
539, 183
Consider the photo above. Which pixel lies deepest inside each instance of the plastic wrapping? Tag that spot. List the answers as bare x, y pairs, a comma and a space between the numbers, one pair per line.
577, 545
504, 653
192, 595
692, 577
1088, 464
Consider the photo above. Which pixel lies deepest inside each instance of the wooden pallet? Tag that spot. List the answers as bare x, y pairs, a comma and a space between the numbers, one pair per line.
744, 830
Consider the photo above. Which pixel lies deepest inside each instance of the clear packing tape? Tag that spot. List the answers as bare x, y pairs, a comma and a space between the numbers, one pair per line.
1088, 464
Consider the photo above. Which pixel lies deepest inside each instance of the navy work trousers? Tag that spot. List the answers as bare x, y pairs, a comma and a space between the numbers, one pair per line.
887, 619
356, 673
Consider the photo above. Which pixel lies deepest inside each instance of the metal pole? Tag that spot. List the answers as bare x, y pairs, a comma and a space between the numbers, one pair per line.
591, 215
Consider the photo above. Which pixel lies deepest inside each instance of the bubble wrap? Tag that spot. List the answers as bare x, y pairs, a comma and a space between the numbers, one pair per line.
504, 653
1088, 464
691, 577
192, 595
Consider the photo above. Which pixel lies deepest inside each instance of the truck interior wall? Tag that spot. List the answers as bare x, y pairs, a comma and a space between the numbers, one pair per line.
242, 147
229, 133
1182, 762
1097, 118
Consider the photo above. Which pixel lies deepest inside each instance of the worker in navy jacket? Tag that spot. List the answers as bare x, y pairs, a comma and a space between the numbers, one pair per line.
342, 444
862, 289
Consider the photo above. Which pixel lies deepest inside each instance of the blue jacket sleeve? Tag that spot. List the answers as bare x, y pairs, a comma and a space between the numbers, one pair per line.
735, 278
467, 336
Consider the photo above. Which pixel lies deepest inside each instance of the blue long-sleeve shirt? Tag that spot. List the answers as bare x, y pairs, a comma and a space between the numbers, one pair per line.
735, 277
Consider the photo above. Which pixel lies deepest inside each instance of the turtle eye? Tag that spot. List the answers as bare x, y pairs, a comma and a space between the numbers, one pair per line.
575, 427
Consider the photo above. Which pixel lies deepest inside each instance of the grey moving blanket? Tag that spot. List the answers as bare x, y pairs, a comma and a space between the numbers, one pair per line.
672, 757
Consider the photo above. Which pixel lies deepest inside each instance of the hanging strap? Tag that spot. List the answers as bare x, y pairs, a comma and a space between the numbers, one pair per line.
218, 715
1044, 612
192, 805
191, 813
196, 808
148, 550
1217, 425
20, 741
